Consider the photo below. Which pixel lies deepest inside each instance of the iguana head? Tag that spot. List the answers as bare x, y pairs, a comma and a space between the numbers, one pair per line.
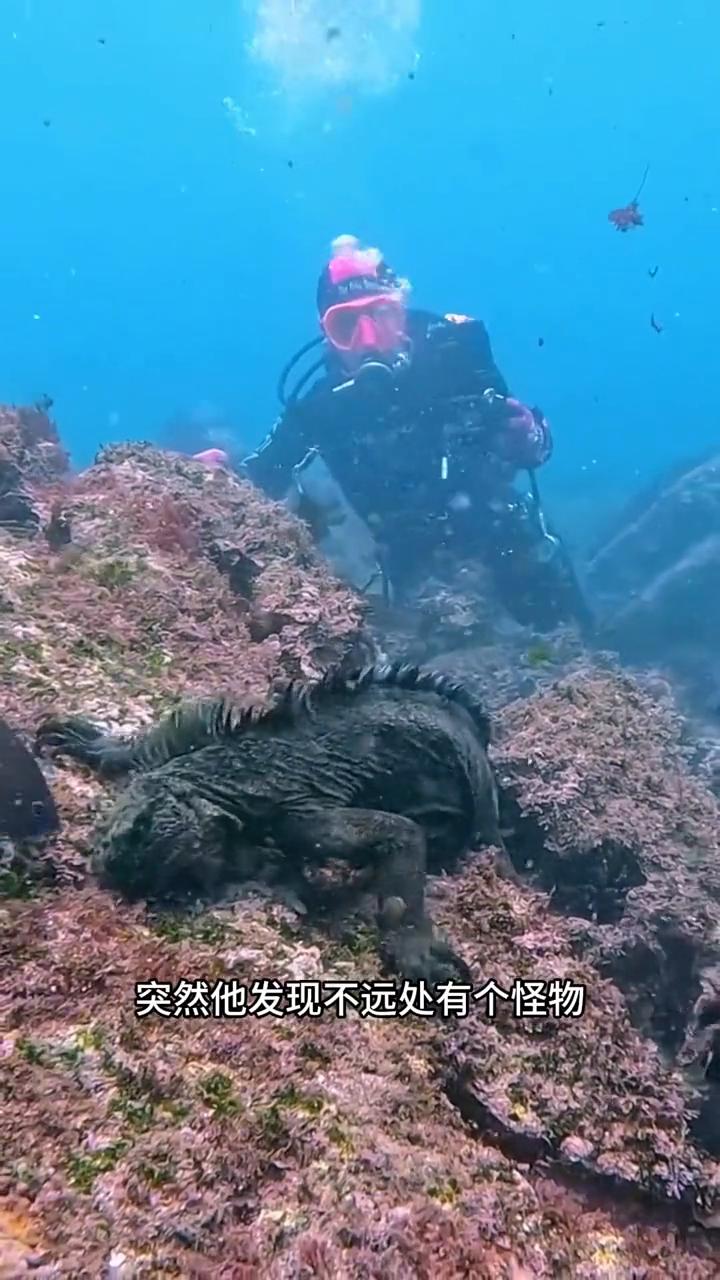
164, 840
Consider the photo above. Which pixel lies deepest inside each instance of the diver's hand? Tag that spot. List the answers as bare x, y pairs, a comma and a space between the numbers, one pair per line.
213, 459
525, 440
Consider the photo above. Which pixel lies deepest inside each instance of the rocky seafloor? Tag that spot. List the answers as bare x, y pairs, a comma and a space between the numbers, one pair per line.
516, 1145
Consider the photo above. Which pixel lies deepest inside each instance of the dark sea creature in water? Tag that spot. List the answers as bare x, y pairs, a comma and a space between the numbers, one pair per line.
58, 530
27, 809
385, 768
629, 215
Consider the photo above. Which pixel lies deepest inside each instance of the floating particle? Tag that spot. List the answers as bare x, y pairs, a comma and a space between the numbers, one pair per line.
332, 33
411, 75
101, 40
460, 502
291, 164
541, 342
47, 123
654, 324
652, 272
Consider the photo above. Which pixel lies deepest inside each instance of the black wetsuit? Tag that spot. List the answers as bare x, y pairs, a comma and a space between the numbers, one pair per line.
418, 454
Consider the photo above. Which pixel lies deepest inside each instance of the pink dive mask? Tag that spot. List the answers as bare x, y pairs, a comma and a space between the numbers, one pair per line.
373, 323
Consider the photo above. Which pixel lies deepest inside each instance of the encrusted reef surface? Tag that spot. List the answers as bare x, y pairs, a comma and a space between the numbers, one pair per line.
516, 1145
604, 813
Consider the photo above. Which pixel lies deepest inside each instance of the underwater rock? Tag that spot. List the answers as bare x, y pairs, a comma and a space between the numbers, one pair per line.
533, 1075
657, 528
237, 536
518, 663
454, 612
30, 454
458, 608
29, 439
141, 613
17, 514
656, 579
603, 813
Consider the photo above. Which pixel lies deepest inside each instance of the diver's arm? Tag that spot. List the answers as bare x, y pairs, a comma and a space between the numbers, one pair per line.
523, 437
473, 353
484, 361
270, 466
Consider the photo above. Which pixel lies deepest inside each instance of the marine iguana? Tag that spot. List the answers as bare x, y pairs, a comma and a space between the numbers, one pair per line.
387, 766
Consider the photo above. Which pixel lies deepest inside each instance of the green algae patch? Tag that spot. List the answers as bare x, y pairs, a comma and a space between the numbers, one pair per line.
66, 1053
217, 1092
15, 884
158, 1172
115, 573
341, 1140
179, 928
272, 1120
295, 1100
83, 1167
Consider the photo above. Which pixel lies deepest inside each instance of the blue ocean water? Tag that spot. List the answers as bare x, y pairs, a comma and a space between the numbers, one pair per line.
167, 202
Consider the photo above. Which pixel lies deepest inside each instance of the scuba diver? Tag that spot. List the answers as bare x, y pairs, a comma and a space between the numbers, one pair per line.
415, 423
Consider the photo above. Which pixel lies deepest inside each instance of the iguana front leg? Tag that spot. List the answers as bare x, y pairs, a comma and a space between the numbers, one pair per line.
189, 727
396, 845
106, 754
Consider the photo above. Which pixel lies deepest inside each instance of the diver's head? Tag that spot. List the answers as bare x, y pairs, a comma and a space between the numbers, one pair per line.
361, 304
